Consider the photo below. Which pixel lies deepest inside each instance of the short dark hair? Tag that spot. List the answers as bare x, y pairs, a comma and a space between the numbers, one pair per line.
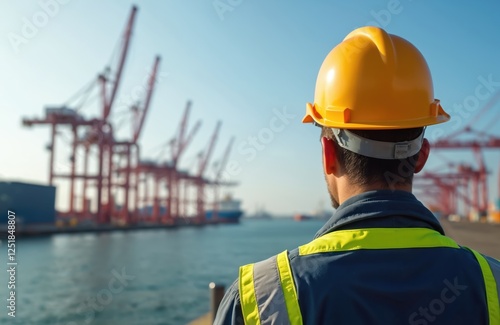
362, 170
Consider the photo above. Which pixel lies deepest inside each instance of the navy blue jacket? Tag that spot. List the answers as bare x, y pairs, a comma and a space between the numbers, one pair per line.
402, 286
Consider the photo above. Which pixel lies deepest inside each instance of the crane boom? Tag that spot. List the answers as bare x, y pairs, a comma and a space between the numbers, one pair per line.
489, 104
182, 129
180, 143
481, 140
149, 94
204, 159
188, 140
472, 144
128, 33
224, 160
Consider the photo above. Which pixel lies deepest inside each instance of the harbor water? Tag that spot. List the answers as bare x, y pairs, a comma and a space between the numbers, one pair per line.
138, 277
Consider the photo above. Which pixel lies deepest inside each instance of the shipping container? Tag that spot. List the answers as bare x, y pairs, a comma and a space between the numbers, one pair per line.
31, 203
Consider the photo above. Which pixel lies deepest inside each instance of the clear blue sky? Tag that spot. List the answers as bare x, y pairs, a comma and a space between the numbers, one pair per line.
241, 66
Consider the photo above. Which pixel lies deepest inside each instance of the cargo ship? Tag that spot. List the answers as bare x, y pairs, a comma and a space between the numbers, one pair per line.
228, 211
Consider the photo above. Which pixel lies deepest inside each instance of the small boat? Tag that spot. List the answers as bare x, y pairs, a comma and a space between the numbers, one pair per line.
302, 217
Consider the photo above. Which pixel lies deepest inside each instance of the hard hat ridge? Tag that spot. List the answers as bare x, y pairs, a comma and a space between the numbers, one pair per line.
373, 80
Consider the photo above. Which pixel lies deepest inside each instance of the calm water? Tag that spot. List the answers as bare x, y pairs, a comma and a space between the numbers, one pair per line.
143, 277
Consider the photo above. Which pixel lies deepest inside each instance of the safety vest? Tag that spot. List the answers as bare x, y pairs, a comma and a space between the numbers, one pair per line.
268, 294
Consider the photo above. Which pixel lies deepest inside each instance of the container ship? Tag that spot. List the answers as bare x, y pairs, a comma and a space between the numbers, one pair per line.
228, 211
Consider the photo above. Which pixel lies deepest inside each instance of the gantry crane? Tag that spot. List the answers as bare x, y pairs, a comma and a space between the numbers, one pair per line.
447, 191
111, 176
218, 182
480, 198
98, 131
140, 111
478, 142
200, 181
105, 143
178, 145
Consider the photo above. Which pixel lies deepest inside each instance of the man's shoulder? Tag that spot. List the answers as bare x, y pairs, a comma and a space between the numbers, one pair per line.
229, 311
494, 264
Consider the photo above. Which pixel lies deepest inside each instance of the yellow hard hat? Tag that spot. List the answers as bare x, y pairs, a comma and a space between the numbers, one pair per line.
374, 81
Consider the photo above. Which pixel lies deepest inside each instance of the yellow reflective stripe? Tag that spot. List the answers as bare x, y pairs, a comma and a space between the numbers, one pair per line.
247, 296
491, 289
377, 238
288, 287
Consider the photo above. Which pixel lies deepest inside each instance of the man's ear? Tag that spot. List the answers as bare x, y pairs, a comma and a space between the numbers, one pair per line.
330, 165
422, 156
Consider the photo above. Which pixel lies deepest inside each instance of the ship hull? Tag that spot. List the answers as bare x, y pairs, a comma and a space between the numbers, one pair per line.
224, 216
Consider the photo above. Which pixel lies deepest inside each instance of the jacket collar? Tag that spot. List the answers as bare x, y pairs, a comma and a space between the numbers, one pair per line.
378, 204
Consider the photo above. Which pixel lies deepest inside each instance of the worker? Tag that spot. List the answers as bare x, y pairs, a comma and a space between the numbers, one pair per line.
383, 257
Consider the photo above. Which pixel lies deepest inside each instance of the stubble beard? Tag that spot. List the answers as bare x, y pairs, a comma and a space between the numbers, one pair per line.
335, 202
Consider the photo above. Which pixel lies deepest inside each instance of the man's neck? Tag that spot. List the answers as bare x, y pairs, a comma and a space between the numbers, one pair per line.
348, 190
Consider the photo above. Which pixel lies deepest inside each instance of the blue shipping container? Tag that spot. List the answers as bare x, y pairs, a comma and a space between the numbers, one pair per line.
32, 203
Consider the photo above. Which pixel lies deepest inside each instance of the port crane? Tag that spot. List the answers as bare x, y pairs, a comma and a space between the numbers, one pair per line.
178, 145
112, 181
475, 195
98, 132
199, 180
125, 149
218, 182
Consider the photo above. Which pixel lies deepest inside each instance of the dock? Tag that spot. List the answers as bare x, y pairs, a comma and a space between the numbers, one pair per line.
483, 237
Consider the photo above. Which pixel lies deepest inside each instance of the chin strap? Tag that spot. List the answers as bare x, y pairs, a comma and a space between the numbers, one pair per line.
378, 149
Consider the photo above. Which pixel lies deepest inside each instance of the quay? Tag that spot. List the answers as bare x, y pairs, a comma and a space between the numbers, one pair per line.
483, 237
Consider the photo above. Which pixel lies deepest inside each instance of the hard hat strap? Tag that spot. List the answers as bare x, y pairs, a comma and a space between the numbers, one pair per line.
377, 149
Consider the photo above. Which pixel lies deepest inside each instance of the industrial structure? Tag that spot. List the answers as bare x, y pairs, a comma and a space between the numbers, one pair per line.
118, 188
458, 188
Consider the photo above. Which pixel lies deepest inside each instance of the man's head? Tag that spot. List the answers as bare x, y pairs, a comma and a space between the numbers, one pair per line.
374, 97
345, 168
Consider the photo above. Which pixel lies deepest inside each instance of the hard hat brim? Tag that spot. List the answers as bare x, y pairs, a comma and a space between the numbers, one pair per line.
436, 115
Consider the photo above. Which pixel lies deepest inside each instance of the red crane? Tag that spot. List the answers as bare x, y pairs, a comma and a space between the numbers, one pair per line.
199, 180
451, 189
97, 132
180, 143
480, 142
108, 101
178, 147
104, 215
139, 116
218, 177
